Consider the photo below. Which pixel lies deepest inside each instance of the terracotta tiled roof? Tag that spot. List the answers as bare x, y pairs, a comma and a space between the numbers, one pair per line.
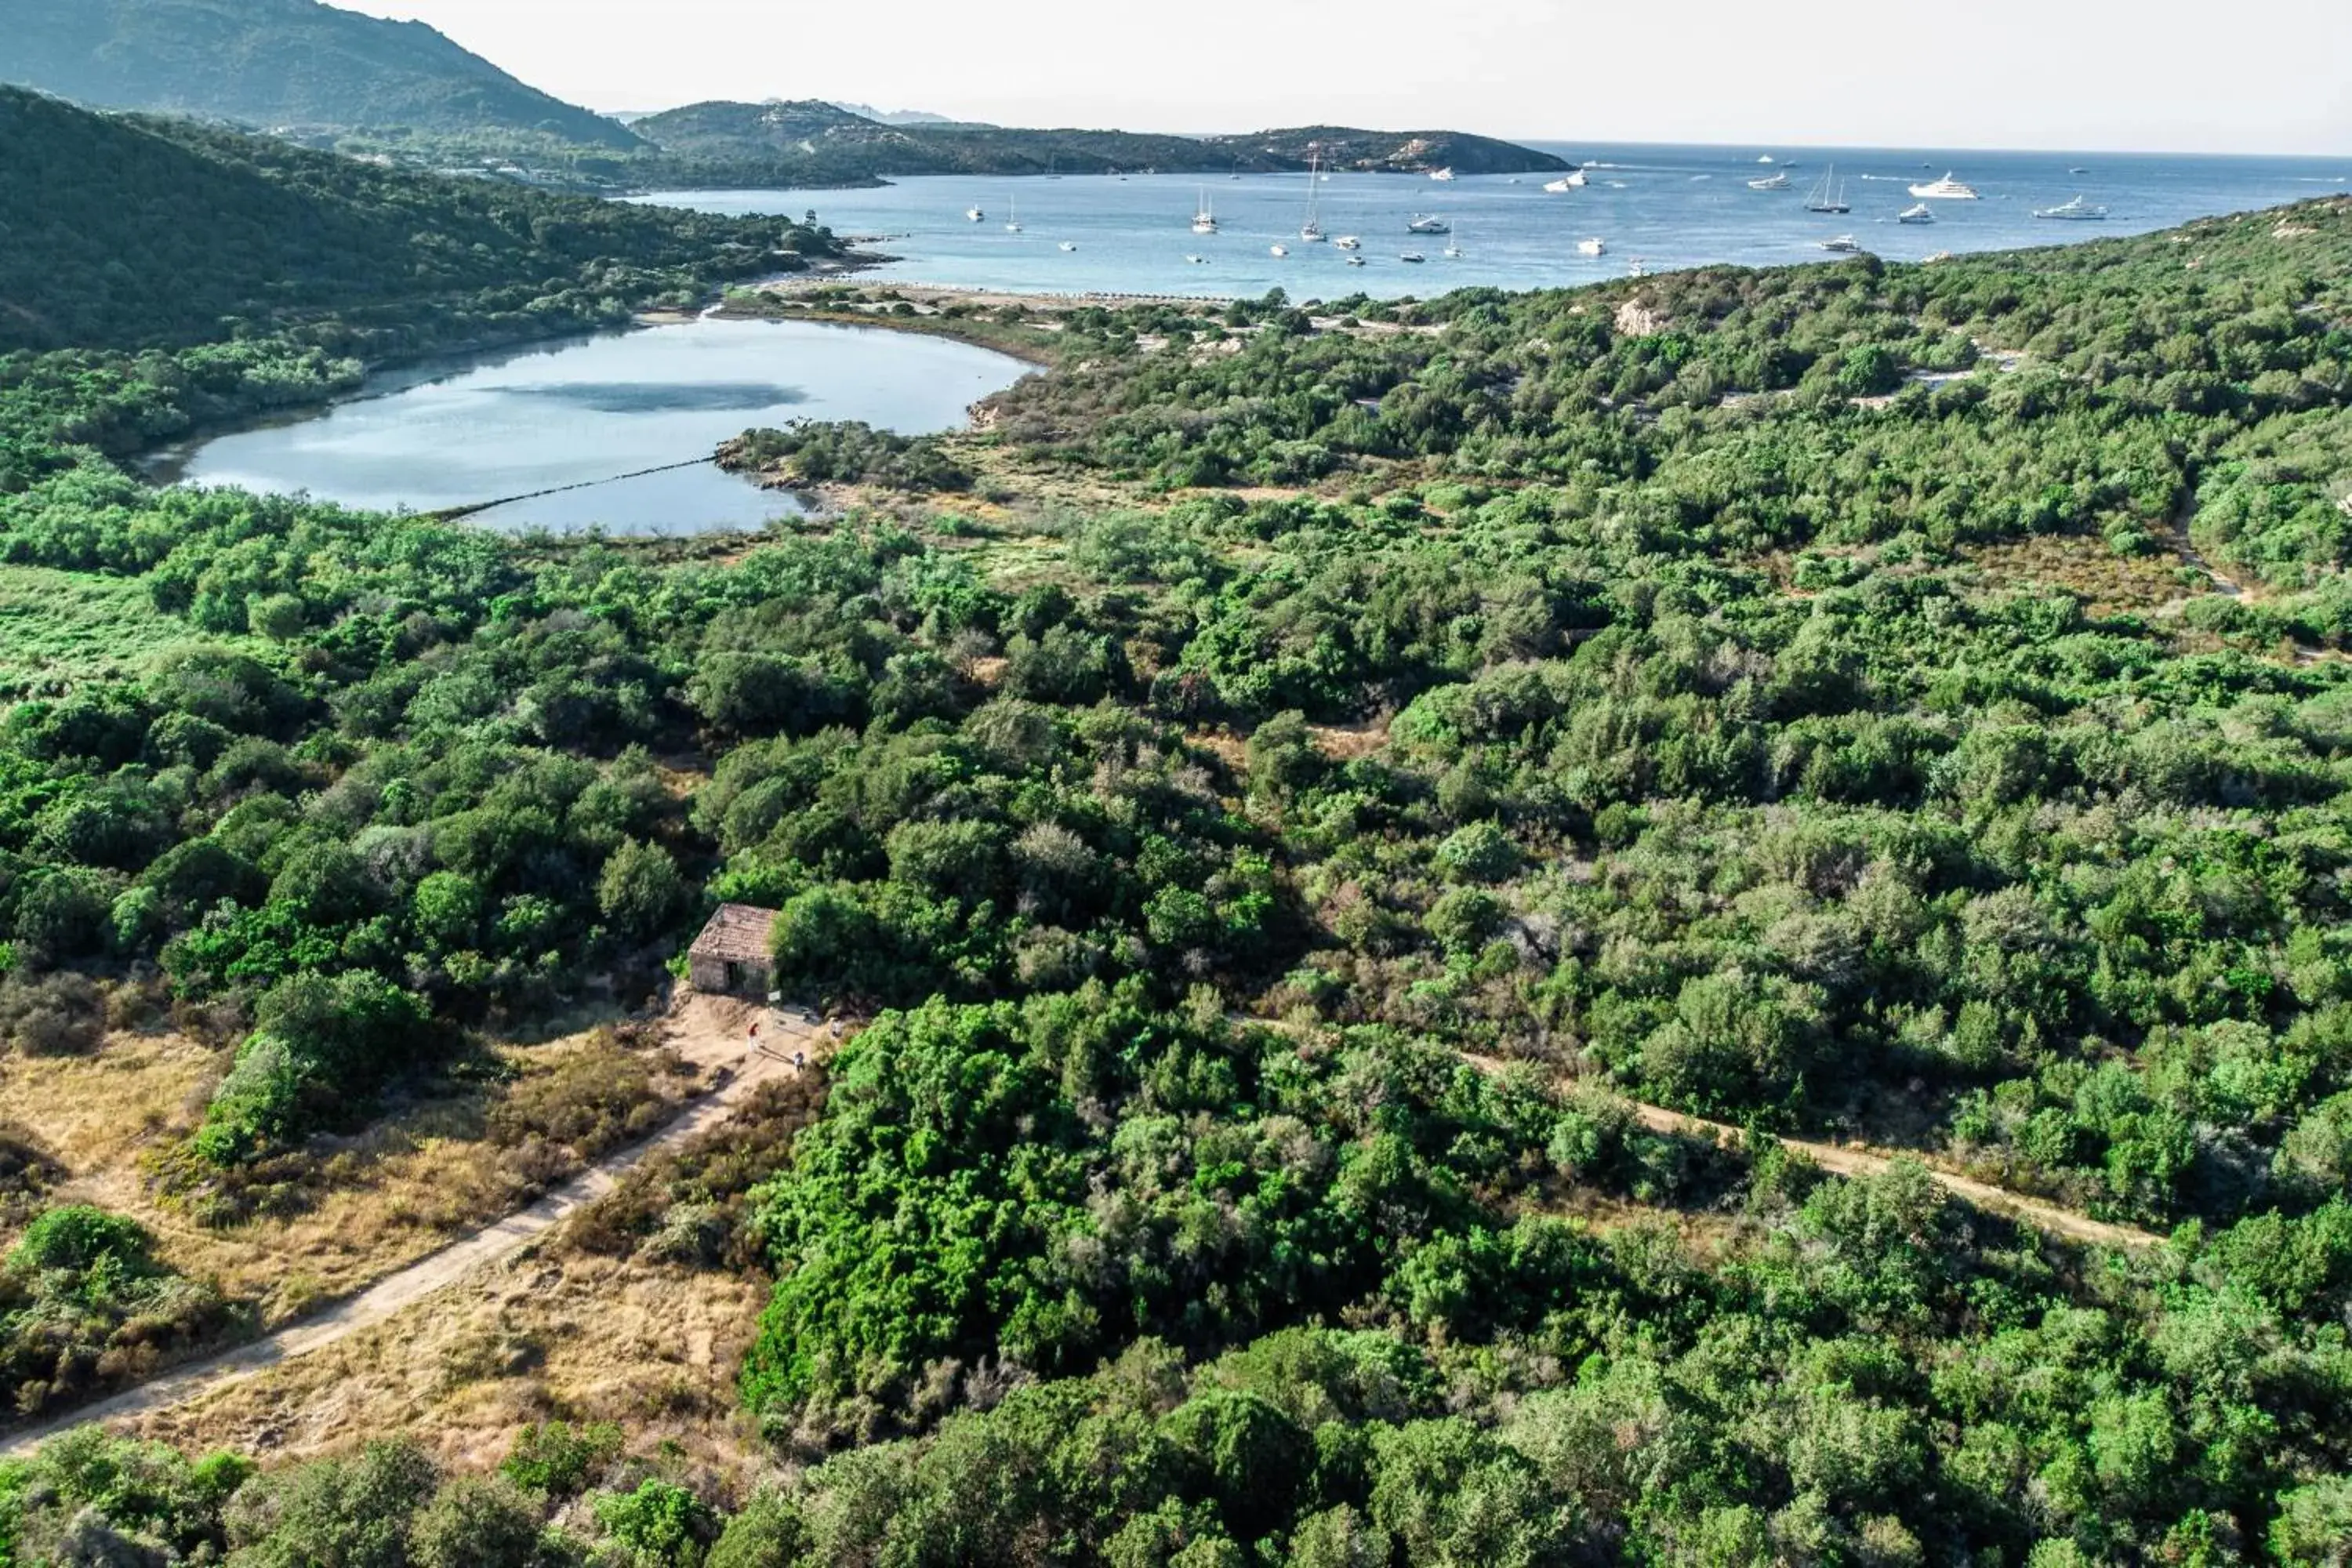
738, 933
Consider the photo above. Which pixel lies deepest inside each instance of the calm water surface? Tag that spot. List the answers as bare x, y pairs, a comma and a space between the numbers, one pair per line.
561, 423
1671, 206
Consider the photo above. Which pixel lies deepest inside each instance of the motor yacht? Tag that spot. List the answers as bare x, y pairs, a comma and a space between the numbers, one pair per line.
1946, 189
2076, 211
1923, 213
1427, 223
1592, 246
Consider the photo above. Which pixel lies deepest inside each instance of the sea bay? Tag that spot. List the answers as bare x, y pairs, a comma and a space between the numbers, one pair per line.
1665, 206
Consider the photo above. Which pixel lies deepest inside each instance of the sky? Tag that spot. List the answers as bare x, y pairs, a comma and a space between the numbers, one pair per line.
2222, 75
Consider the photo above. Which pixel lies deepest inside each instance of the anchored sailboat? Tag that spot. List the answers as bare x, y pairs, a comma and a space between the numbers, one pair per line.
1827, 197
1205, 219
1012, 214
1311, 231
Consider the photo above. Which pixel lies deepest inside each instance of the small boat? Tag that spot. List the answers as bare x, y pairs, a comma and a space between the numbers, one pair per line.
1279, 250
2076, 211
1415, 257
1845, 244
1198, 260
1069, 245
1592, 246
1311, 230
1920, 214
1765, 159
1013, 219
1946, 189
2078, 171
1355, 261
1454, 251
1441, 175
1427, 223
974, 214
1770, 182
1204, 217
1640, 268
1348, 242
1827, 197
1572, 181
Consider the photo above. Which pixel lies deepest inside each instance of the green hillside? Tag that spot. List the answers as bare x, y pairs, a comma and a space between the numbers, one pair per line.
291, 64
810, 141
125, 231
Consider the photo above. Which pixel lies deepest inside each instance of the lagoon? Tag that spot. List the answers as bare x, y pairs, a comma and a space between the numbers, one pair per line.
612, 431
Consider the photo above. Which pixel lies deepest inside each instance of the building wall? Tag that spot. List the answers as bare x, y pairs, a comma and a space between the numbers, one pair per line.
711, 975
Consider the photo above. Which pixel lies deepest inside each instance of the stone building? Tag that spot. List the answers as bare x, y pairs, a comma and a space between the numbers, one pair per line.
732, 956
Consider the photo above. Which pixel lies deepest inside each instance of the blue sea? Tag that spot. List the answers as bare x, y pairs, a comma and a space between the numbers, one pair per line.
1662, 206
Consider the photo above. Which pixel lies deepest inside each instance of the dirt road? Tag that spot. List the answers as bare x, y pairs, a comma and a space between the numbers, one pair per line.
711, 1032
1852, 1161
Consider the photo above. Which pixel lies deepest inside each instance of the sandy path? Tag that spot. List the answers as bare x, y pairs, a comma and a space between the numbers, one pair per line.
1844, 1161
712, 1032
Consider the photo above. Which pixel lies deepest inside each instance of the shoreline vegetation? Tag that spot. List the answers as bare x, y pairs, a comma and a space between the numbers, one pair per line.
1373, 860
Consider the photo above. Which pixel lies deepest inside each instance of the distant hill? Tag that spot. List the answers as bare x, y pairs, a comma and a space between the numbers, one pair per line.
278, 64
897, 116
814, 143
119, 231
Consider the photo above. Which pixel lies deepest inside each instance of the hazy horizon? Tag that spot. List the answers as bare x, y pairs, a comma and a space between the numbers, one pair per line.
2077, 75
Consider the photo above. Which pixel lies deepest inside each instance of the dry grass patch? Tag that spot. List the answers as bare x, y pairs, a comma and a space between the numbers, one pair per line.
2109, 583
549, 1335
348, 1210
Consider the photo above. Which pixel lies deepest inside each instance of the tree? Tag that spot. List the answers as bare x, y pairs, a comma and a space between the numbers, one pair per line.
640, 889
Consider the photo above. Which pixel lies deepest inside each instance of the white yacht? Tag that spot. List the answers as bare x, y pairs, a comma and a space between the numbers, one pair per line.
1348, 242
1828, 196
1278, 250
1920, 214
1204, 217
1355, 261
974, 214
1069, 245
1311, 230
1640, 268
1572, 181
1198, 260
1441, 174
1946, 189
1414, 257
1769, 183
1013, 218
1592, 246
1427, 223
2076, 211
1845, 244
1454, 251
